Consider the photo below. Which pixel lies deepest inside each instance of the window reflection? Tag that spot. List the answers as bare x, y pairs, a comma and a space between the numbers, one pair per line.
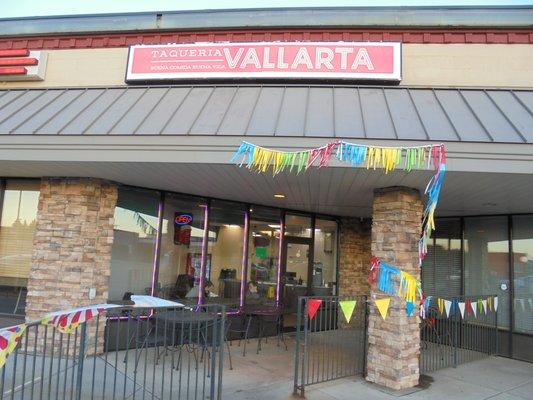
181, 248
133, 251
523, 273
226, 221
487, 261
19, 215
297, 225
263, 255
325, 258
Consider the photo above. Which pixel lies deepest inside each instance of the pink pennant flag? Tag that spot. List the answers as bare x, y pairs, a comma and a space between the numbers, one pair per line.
314, 305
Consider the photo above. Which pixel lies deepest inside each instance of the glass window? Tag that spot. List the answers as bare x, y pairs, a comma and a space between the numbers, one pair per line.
263, 254
297, 225
487, 261
181, 247
19, 215
325, 258
523, 273
441, 269
132, 257
225, 247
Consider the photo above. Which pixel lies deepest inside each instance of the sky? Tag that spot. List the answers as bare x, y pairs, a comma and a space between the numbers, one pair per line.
25, 8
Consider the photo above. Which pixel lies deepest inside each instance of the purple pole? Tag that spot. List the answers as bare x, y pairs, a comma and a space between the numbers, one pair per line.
205, 240
244, 264
155, 267
280, 253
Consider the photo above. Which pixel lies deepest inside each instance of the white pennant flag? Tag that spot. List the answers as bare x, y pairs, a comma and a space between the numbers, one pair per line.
447, 306
484, 302
496, 303
474, 309
462, 309
522, 304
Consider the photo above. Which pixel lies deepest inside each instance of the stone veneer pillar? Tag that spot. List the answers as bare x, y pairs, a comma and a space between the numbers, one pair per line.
354, 257
72, 245
394, 343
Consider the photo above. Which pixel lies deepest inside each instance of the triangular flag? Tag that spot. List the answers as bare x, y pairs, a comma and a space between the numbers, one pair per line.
314, 305
496, 303
9, 340
468, 306
489, 303
462, 308
440, 304
484, 302
530, 301
479, 306
474, 309
347, 307
409, 308
522, 304
447, 306
383, 306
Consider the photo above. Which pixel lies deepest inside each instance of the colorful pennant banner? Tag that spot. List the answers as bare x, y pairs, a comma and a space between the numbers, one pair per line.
348, 307
393, 281
466, 308
67, 321
261, 159
9, 339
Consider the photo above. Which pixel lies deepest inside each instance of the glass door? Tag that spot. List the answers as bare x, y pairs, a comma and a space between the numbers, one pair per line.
297, 262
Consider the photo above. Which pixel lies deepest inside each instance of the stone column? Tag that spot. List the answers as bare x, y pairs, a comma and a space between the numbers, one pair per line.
394, 343
354, 257
72, 245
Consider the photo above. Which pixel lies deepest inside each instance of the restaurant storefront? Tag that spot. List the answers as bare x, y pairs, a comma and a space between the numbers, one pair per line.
117, 172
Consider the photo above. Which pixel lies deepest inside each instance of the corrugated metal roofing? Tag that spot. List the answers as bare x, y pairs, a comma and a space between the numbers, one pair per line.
483, 115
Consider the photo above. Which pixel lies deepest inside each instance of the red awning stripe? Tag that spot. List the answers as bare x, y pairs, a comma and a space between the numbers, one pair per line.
13, 71
15, 53
18, 61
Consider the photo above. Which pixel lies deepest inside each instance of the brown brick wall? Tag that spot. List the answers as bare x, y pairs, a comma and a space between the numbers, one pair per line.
394, 343
72, 245
354, 257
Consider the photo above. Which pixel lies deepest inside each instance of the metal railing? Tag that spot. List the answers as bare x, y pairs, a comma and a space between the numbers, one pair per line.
134, 353
452, 340
327, 346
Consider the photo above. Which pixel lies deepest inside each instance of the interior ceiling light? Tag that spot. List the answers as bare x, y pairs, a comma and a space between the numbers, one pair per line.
279, 196
274, 226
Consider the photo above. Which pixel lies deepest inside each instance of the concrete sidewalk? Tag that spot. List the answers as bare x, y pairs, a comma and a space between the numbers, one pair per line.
494, 378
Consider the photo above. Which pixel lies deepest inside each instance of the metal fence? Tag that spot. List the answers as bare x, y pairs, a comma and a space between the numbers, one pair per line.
327, 346
129, 353
452, 340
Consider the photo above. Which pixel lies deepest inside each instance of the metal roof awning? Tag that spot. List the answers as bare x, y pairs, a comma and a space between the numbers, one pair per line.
396, 113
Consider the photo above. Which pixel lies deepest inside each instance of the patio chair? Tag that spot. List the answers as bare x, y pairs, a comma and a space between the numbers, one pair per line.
239, 324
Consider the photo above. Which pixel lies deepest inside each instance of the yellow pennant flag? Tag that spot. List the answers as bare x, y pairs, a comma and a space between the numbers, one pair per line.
383, 306
440, 303
347, 307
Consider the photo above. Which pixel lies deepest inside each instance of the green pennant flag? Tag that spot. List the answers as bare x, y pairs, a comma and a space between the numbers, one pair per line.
347, 307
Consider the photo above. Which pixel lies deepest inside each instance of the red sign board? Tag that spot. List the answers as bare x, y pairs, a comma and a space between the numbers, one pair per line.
305, 60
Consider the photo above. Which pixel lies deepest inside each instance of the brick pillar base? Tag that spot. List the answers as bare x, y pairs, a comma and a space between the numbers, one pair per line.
394, 343
354, 257
72, 245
